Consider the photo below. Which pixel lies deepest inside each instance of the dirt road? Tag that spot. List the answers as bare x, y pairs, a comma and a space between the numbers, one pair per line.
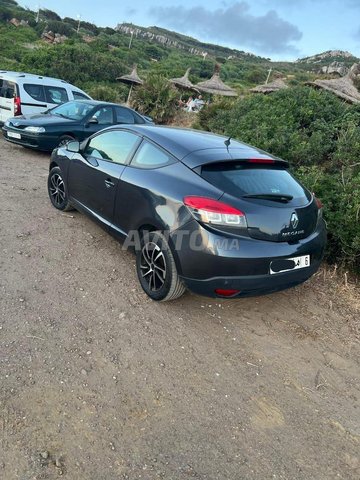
100, 383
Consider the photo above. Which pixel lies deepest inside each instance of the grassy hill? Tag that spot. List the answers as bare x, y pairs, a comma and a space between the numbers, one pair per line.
93, 57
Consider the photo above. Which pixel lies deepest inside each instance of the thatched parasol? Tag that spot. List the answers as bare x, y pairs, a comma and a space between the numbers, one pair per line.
342, 87
277, 84
184, 82
131, 79
216, 86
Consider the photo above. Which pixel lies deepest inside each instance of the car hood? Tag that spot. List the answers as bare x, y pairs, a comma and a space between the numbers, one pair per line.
39, 120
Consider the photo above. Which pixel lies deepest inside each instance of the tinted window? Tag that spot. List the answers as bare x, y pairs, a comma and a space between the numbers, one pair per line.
123, 115
73, 110
56, 94
80, 96
7, 89
104, 116
112, 146
35, 91
150, 156
238, 179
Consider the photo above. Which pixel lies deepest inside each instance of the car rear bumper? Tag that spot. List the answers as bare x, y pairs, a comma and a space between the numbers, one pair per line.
251, 285
31, 140
244, 265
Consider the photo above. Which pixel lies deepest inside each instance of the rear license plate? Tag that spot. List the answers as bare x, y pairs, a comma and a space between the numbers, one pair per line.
14, 135
287, 264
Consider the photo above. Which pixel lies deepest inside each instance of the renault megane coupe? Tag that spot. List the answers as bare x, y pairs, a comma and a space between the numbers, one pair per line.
202, 211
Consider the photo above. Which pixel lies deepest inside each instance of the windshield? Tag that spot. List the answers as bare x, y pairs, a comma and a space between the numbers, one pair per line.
241, 180
72, 110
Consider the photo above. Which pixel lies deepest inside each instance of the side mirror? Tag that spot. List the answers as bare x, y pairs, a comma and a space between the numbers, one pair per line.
93, 120
73, 146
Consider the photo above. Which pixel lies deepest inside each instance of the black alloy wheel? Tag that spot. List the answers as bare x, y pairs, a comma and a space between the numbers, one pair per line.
156, 268
57, 190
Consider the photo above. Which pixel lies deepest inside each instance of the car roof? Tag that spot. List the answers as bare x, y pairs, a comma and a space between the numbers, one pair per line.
196, 147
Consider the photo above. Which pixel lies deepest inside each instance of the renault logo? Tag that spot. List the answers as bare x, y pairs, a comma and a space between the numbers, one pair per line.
294, 220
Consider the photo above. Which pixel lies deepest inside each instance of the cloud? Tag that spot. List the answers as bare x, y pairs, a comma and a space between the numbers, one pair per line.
233, 24
130, 11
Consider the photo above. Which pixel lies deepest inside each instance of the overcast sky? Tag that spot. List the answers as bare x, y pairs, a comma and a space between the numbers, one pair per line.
279, 29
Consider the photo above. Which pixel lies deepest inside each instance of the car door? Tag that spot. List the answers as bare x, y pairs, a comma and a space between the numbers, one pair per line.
101, 118
139, 187
94, 173
7, 95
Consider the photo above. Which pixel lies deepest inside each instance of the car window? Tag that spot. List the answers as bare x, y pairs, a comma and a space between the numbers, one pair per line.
73, 110
80, 96
124, 115
56, 94
104, 116
7, 89
238, 179
150, 156
35, 91
115, 146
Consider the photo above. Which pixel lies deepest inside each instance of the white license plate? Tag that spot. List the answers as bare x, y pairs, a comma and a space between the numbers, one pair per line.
288, 264
14, 135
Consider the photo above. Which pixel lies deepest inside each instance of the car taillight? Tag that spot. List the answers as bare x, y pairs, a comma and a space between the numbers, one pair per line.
208, 210
319, 204
261, 160
17, 106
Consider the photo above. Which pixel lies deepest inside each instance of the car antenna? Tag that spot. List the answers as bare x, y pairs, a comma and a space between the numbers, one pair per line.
227, 143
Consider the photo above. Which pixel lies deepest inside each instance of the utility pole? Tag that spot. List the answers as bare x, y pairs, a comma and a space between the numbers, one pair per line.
38, 14
132, 34
78, 27
268, 76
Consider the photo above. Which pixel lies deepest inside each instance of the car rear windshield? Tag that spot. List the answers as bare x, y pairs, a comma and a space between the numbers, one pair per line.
239, 179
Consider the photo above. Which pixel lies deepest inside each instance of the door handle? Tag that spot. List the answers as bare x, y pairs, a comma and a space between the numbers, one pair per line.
109, 183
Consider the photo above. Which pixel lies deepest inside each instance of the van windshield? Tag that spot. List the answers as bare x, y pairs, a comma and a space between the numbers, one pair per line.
72, 110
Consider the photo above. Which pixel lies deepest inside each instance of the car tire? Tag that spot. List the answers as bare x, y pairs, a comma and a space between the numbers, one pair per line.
156, 268
64, 140
57, 190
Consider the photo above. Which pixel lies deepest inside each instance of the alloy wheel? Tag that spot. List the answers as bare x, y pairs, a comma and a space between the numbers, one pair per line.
153, 266
57, 189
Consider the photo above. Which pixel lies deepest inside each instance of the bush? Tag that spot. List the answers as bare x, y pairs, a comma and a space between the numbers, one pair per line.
156, 98
320, 135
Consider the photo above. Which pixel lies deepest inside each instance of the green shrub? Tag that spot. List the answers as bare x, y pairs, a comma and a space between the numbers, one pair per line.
156, 98
320, 135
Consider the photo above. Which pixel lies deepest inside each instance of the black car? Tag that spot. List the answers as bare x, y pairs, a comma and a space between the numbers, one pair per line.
202, 211
74, 120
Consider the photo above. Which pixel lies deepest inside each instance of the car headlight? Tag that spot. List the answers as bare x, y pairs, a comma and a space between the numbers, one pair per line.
7, 123
35, 129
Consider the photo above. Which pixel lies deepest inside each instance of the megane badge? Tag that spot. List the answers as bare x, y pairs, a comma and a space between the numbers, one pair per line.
294, 220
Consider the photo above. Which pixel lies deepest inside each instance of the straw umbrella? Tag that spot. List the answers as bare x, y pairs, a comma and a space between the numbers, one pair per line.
216, 86
277, 84
342, 87
184, 82
131, 79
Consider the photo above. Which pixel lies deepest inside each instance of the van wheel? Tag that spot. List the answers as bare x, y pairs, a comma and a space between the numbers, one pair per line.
156, 269
64, 140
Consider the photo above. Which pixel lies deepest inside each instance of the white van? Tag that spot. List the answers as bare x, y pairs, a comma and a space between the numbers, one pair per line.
26, 94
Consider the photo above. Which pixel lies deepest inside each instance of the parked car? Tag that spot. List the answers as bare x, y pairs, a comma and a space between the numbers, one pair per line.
212, 214
27, 94
74, 120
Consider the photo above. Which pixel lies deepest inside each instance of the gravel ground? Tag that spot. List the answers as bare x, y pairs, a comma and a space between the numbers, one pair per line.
98, 382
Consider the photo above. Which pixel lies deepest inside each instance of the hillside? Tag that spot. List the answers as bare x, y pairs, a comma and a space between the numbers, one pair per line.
92, 57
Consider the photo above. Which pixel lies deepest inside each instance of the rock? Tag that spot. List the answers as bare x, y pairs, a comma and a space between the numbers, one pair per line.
335, 67
44, 454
